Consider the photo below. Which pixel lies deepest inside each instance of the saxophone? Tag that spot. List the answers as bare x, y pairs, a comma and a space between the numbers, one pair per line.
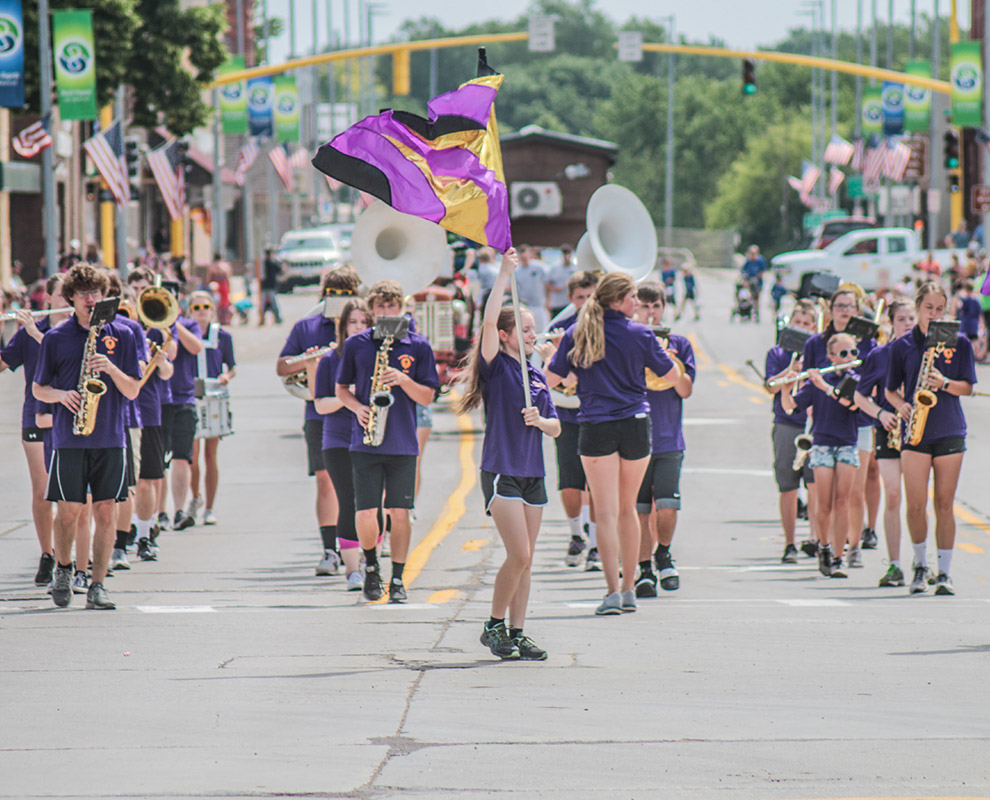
924, 399
90, 388
381, 397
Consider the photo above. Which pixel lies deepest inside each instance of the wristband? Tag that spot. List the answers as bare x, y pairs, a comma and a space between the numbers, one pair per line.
945, 386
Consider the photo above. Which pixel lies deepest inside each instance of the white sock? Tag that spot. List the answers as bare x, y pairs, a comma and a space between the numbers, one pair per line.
574, 523
134, 519
895, 564
592, 535
944, 561
920, 554
584, 517
143, 528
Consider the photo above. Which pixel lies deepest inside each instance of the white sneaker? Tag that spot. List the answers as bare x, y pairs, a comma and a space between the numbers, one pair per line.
119, 559
355, 580
209, 518
194, 506
330, 564
80, 583
854, 557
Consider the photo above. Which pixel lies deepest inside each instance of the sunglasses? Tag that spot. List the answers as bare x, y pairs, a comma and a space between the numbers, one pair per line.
200, 307
852, 352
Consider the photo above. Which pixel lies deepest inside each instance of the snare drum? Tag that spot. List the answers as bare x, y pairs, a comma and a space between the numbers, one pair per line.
213, 411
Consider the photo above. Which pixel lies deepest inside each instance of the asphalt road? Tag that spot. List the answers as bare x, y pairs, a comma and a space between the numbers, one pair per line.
229, 670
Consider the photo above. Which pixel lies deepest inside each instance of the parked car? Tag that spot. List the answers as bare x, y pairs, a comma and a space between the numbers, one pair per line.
305, 255
343, 232
832, 229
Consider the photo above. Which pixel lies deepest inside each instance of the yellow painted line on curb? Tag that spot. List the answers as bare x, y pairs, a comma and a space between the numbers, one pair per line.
474, 544
704, 360
971, 519
443, 596
970, 548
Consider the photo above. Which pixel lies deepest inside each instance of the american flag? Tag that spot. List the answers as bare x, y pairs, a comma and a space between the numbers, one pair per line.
859, 149
838, 151
299, 159
245, 160
34, 138
898, 156
166, 165
809, 177
794, 183
106, 149
835, 179
280, 160
876, 160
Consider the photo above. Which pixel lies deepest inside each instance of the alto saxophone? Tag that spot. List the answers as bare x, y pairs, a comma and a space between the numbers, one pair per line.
381, 397
924, 400
90, 388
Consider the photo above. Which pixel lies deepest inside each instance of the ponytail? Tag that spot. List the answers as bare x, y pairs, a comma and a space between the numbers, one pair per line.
589, 334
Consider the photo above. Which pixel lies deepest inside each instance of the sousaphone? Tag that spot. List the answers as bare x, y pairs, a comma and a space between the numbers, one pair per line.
621, 235
389, 245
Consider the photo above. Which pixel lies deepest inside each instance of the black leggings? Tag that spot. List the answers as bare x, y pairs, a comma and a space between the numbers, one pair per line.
338, 464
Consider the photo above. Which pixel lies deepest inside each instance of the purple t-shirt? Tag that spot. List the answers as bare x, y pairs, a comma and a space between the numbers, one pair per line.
411, 355
969, 316
133, 414
222, 354
667, 408
816, 357
945, 418
779, 359
164, 386
312, 331
614, 388
832, 424
511, 447
182, 380
337, 427
22, 350
59, 364
873, 378
566, 414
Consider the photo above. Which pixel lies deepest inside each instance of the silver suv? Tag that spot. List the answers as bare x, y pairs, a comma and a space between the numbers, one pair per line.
305, 255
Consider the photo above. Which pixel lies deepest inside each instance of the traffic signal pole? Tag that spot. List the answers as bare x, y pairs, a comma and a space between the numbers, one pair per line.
121, 228
107, 235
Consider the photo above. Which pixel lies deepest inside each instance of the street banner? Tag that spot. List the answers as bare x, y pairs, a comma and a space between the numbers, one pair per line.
233, 99
893, 108
259, 102
917, 100
966, 76
872, 111
286, 109
75, 63
11, 54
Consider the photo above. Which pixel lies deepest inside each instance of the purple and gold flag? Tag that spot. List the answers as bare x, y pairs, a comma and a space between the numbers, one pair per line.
447, 169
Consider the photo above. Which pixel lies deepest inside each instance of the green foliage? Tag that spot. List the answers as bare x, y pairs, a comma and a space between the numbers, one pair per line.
265, 31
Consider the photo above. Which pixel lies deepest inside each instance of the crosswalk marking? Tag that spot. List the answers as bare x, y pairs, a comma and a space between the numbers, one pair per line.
813, 602
176, 609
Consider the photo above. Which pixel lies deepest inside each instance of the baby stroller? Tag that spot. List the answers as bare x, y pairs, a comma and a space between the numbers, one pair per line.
743, 308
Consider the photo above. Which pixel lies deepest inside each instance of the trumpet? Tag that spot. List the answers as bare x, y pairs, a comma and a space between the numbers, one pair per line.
296, 383
825, 370
12, 315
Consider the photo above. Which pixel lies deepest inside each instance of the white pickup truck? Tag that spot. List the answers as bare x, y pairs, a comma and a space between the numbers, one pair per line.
874, 258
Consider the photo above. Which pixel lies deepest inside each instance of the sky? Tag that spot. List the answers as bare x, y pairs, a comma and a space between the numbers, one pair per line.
742, 24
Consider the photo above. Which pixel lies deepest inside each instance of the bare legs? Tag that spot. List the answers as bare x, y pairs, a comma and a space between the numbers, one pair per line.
890, 473
518, 526
41, 509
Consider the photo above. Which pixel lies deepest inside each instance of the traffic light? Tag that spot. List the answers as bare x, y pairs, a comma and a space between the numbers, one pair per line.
132, 155
953, 183
749, 76
951, 150
400, 72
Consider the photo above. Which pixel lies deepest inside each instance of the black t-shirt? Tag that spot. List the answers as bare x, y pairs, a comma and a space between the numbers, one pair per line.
270, 278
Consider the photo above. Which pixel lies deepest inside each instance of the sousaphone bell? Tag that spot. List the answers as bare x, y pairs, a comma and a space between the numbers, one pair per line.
389, 245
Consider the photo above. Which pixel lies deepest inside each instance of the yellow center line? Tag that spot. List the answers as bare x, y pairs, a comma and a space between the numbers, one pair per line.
443, 596
969, 547
704, 360
734, 376
474, 544
971, 519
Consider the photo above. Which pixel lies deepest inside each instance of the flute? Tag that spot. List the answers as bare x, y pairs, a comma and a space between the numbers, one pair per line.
11, 315
306, 356
802, 375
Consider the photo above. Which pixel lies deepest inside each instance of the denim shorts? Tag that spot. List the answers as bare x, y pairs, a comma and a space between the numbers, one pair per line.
824, 455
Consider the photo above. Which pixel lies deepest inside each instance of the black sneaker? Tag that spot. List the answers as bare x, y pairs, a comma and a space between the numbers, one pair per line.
869, 539
825, 560
790, 555
943, 585
646, 586
397, 592
593, 563
669, 576
145, 551
497, 640
62, 586
182, 521
98, 598
802, 509
163, 521
528, 649
372, 584
132, 536
838, 571
46, 568
920, 583
575, 551
809, 548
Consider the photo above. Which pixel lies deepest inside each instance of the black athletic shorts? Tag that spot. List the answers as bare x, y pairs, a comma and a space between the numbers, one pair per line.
570, 470
880, 449
152, 453
179, 427
78, 472
32, 434
947, 446
377, 473
662, 483
631, 438
532, 491
337, 461
313, 434
129, 459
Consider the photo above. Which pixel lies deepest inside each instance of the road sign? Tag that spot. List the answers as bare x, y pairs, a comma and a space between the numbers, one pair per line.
541, 38
854, 187
630, 46
917, 168
980, 199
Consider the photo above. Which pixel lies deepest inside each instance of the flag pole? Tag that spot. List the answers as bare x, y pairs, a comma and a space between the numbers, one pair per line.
47, 156
524, 362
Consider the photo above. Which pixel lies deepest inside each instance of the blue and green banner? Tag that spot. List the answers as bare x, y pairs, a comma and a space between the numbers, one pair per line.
75, 63
872, 122
233, 99
285, 108
11, 54
892, 95
917, 100
259, 104
966, 77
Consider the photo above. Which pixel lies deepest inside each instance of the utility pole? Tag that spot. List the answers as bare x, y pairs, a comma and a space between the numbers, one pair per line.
835, 75
247, 198
858, 205
273, 199
668, 206
934, 173
47, 157
122, 211
294, 197
218, 239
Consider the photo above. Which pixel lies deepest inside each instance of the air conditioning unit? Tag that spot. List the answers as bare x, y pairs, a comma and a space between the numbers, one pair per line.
536, 199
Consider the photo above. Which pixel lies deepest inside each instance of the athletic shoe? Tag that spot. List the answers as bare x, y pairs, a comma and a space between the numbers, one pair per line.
593, 563
145, 552
62, 586
628, 601
943, 585
195, 504
355, 581
397, 592
869, 540
80, 583
837, 569
209, 518
163, 521
646, 586
670, 579
825, 560
810, 548
610, 606
330, 564
46, 567
574, 551
119, 559
132, 534
930, 576
372, 584
497, 640
893, 577
802, 509
790, 555
182, 521
528, 649
98, 598
919, 585
854, 558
